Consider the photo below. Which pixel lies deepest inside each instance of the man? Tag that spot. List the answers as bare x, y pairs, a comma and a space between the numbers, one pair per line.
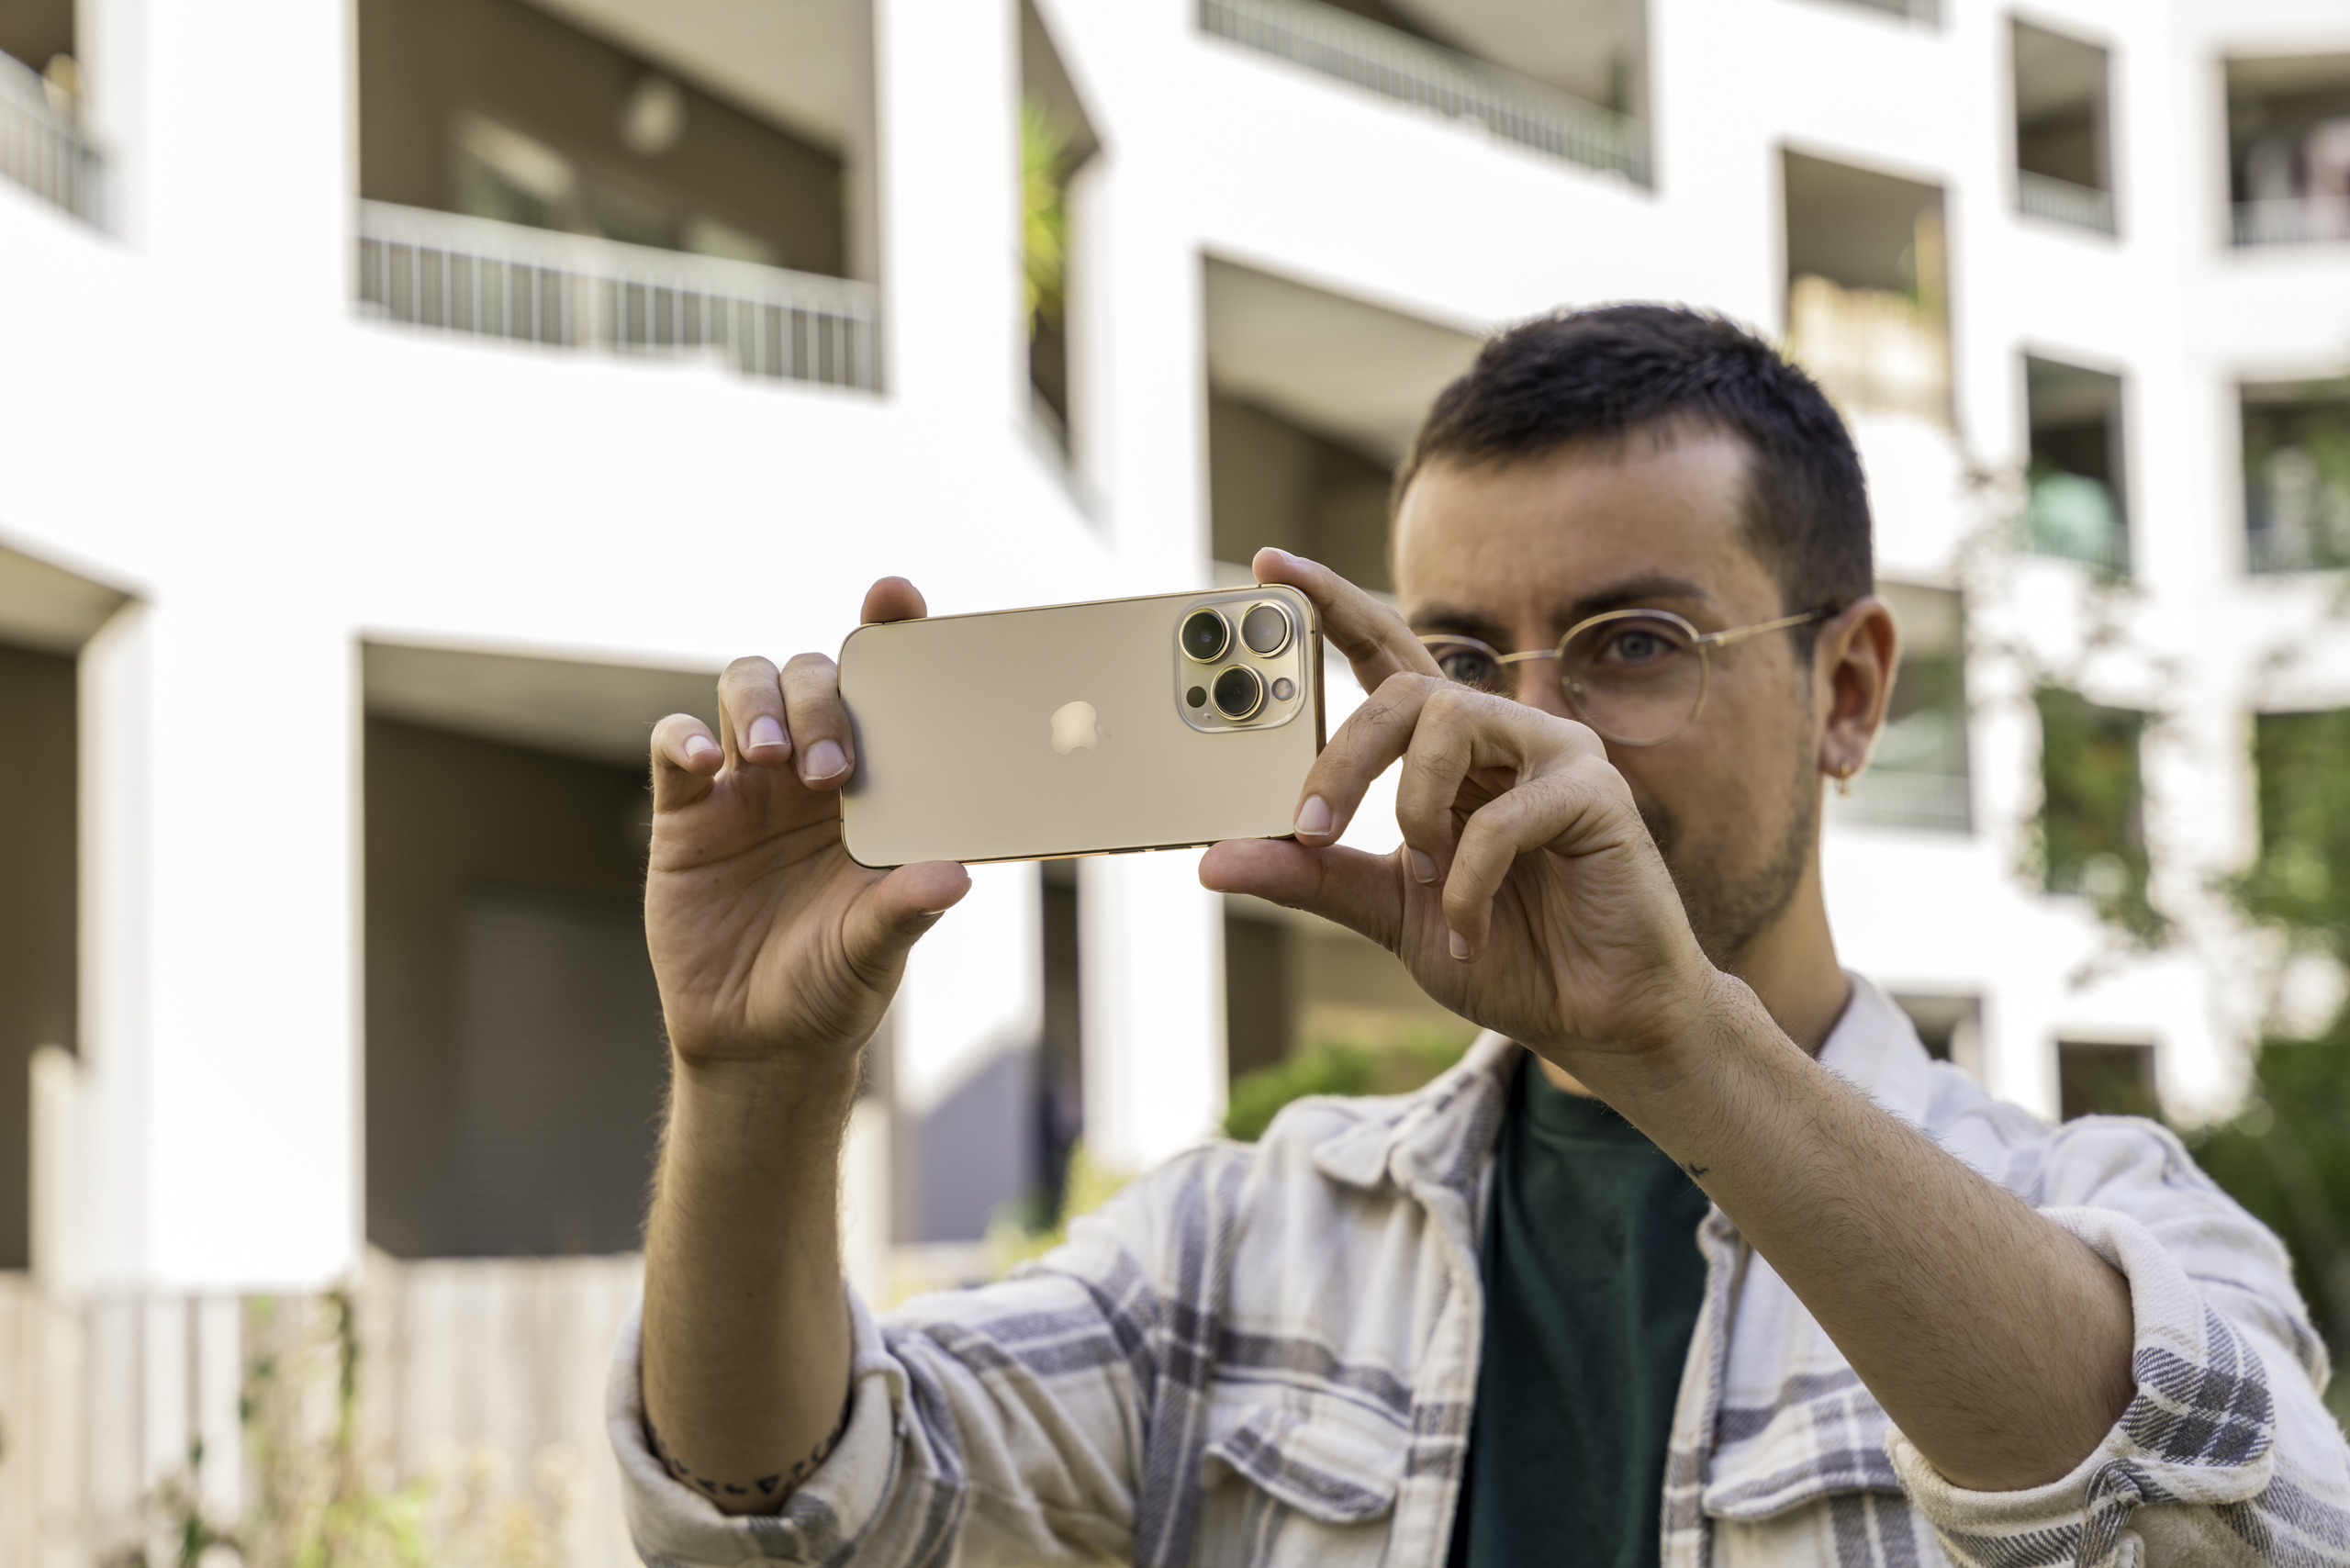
1695, 1257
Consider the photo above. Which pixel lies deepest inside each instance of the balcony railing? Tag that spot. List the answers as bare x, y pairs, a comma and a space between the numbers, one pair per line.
41, 148
534, 286
2061, 201
2292, 220
1885, 797
1411, 70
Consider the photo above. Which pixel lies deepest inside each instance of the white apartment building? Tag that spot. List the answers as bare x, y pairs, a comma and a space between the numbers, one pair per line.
408, 401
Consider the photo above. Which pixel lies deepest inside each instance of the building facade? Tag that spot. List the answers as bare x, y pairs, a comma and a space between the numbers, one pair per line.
407, 404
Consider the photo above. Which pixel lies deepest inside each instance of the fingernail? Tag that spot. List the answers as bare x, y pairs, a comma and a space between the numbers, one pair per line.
1460, 947
1423, 867
699, 746
766, 732
1314, 817
825, 759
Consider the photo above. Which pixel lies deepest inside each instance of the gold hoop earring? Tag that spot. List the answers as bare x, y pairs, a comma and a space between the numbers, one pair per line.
1844, 778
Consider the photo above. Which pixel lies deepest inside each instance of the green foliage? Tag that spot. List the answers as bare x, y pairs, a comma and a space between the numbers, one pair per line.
1045, 164
1335, 1068
2091, 828
1013, 1239
2286, 1157
2302, 881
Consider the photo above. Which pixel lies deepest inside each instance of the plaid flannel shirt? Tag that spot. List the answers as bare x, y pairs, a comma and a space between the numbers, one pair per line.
1265, 1355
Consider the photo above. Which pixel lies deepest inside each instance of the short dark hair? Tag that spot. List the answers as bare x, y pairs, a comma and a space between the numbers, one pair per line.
1611, 372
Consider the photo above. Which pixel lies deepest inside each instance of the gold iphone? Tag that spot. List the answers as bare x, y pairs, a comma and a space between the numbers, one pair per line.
1082, 729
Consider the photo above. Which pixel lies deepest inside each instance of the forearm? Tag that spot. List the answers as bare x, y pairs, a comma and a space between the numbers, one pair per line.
747, 1332
1997, 1342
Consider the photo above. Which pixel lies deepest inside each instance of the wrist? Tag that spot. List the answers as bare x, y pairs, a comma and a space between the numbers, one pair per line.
779, 1114
1680, 1058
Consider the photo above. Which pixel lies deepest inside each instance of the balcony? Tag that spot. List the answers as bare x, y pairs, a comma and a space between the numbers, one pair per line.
535, 286
2063, 160
1867, 287
41, 146
1412, 68
2288, 150
586, 174
1917, 776
2076, 510
2296, 477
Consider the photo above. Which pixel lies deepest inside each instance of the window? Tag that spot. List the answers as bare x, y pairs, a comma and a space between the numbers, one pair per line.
1950, 1027
2302, 762
1312, 398
2092, 817
1917, 776
2076, 507
2064, 155
1572, 85
1868, 287
2297, 476
2095, 1079
2289, 148
1057, 140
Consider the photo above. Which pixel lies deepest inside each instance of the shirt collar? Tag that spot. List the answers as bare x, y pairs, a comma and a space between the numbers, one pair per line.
1446, 1132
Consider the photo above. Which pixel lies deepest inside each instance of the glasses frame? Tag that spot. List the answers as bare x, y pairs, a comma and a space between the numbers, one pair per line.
1704, 642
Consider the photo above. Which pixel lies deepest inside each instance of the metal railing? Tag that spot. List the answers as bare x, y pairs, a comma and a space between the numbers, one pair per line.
1927, 11
1411, 70
1887, 797
2061, 201
502, 280
42, 149
2292, 220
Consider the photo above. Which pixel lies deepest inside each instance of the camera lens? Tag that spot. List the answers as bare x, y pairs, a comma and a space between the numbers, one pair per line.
1239, 693
1205, 635
1265, 629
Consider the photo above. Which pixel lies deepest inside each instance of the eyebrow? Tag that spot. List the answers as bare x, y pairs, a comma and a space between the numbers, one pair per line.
1639, 591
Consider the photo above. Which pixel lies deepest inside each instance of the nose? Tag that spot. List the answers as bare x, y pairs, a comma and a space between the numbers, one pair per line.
1538, 686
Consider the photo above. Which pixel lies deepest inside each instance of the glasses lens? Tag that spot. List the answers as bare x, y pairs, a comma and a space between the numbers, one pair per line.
1635, 678
1471, 663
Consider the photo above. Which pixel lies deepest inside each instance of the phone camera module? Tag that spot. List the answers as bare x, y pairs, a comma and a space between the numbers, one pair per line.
1265, 629
1205, 635
1239, 693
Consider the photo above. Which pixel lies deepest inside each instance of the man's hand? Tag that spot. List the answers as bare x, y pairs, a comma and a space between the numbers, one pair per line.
776, 955
768, 939
1527, 894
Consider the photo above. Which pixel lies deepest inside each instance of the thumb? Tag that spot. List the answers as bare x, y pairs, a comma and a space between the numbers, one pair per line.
889, 916
1362, 891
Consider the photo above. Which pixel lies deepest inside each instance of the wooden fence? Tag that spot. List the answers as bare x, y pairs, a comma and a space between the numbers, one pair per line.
473, 1425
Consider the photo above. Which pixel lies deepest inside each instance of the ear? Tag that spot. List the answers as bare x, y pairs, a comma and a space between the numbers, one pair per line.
1852, 668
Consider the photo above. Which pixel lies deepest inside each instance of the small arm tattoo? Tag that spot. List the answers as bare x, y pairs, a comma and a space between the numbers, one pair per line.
1695, 1169
782, 1484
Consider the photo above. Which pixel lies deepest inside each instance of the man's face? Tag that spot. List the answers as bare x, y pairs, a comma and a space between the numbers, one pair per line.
1515, 554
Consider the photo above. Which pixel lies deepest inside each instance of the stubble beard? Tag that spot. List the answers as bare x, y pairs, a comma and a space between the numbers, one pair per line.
1728, 912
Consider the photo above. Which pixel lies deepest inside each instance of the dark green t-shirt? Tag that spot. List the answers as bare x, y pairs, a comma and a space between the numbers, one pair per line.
1592, 1281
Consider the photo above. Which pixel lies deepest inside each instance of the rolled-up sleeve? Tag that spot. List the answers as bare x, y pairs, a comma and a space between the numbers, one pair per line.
2226, 1452
1002, 1424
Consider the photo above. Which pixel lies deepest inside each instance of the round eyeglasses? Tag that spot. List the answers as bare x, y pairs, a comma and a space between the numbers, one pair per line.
1637, 676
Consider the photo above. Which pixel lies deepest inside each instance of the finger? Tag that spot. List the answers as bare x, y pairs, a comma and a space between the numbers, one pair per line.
684, 757
812, 696
1358, 890
1459, 733
1371, 740
1557, 804
889, 916
892, 599
750, 714
1377, 643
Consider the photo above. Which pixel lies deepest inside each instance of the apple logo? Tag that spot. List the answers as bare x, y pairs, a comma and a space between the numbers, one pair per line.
1075, 728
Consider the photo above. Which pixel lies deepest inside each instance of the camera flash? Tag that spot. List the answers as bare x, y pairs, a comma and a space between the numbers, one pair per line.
1284, 688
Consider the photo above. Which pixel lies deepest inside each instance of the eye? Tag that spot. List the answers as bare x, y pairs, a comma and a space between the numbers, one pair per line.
1470, 666
1638, 645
